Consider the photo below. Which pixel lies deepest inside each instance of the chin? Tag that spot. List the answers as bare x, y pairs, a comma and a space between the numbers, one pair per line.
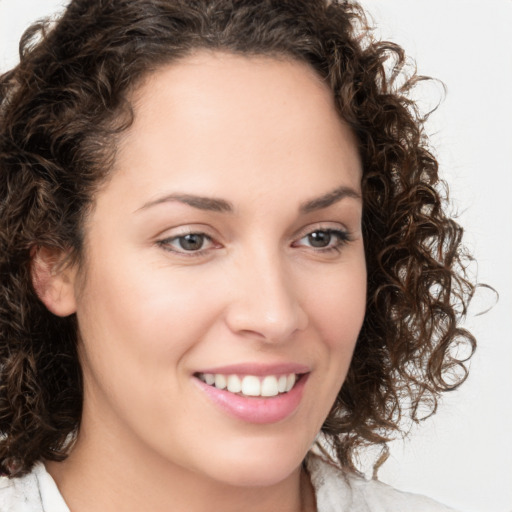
255, 466
256, 475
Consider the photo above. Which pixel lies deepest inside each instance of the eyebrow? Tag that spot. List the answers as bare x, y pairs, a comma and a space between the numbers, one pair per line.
222, 206
202, 203
328, 199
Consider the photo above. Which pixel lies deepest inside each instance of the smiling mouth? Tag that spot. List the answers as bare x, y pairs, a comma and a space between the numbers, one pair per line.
251, 385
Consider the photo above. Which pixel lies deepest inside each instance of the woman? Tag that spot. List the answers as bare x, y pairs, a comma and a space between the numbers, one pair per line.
223, 238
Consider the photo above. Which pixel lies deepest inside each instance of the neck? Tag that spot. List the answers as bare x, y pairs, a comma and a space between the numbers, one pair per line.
113, 474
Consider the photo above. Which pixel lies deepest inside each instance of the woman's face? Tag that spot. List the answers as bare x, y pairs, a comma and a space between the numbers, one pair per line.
225, 248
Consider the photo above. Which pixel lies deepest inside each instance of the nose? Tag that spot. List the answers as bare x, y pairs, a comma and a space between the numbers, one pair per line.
265, 303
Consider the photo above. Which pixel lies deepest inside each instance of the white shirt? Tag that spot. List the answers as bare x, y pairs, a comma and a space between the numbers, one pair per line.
336, 491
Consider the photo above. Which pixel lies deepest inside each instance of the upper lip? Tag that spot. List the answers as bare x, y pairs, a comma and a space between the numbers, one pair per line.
258, 369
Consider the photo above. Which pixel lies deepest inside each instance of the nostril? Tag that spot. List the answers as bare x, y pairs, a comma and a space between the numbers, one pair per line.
270, 323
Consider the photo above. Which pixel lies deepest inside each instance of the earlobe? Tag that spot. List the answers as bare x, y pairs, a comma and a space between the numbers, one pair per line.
53, 282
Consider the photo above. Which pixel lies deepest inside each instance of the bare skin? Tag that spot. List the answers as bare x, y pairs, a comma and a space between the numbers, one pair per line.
229, 234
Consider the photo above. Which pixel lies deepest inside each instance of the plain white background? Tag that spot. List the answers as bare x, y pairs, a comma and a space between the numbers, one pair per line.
463, 456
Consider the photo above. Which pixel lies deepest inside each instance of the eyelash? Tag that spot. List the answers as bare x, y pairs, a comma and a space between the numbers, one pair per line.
166, 244
342, 238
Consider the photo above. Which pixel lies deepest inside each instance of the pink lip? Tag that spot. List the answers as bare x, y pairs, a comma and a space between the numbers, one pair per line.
258, 410
259, 370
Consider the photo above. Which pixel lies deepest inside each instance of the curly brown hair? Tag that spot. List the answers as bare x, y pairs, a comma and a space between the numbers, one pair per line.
61, 110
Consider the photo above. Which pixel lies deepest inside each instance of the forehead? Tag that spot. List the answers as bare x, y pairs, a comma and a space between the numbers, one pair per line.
213, 119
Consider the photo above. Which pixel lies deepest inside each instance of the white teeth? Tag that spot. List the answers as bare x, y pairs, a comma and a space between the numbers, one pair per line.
269, 386
281, 383
209, 378
234, 384
251, 385
290, 382
220, 381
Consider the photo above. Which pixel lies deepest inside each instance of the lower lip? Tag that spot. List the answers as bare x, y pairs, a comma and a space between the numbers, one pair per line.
256, 409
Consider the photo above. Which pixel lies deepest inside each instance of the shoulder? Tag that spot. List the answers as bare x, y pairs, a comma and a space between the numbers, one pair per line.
20, 494
334, 487
33, 492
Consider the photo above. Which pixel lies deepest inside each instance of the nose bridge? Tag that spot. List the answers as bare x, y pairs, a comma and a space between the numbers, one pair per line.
266, 302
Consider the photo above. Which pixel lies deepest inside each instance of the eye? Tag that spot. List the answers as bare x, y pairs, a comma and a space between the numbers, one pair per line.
324, 239
187, 243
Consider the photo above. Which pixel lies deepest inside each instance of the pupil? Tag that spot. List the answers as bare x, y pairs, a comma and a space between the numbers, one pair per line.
319, 238
191, 242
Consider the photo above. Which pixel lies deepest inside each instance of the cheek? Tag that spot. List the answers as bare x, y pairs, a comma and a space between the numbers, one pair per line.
142, 320
337, 308
337, 304
137, 329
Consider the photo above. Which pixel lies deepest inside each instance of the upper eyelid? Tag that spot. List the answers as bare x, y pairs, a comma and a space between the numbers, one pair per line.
213, 235
329, 230
184, 234
321, 226
185, 229
165, 244
343, 234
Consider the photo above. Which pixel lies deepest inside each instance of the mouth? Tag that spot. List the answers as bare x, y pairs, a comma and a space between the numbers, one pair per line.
251, 385
255, 394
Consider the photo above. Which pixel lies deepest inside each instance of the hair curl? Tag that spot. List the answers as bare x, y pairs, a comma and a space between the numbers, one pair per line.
60, 111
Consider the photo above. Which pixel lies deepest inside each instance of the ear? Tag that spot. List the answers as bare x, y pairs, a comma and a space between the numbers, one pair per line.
53, 282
